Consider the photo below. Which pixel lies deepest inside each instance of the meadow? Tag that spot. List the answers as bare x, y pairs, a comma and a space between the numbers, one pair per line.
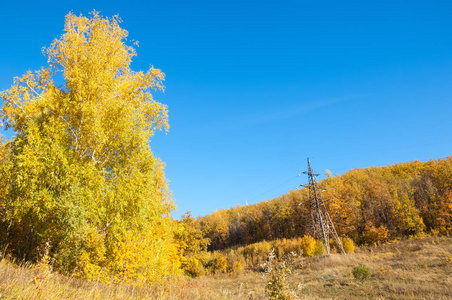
407, 269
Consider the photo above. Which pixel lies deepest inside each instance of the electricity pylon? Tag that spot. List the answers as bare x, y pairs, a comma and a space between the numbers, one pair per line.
320, 226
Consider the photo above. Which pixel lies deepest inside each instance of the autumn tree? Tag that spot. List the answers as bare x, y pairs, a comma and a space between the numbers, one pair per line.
191, 236
83, 182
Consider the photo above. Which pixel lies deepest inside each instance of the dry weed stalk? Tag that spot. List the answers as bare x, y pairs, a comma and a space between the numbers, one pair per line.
276, 272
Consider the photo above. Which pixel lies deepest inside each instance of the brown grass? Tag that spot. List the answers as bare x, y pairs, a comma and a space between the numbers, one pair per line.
410, 269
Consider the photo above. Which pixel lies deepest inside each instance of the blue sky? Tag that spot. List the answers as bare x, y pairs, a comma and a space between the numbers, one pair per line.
256, 87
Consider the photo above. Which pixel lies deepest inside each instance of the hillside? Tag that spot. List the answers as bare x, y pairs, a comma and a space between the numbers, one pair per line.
370, 205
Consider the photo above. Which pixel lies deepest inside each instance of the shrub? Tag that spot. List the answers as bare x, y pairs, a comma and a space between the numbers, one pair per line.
193, 267
349, 246
220, 264
238, 267
373, 234
361, 272
308, 245
319, 249
235, 261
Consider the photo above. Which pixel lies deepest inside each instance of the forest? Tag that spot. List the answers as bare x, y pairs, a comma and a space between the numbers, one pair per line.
370, 205
82, 192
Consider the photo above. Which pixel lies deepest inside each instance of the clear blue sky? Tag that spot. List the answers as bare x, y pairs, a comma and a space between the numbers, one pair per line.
255, 87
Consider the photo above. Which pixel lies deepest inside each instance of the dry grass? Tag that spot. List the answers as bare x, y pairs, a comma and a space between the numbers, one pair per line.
412, 269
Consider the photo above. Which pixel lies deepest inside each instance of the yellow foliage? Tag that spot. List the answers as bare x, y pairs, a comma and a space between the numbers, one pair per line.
236, 261
82, 176
373, 234
193, 267
319, 248
349, 246
220, 264
308, 245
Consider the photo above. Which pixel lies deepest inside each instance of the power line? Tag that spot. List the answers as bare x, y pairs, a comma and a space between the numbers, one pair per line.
274, 188
269, 180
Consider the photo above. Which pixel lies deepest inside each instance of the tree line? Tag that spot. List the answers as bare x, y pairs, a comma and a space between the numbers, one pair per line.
370, 205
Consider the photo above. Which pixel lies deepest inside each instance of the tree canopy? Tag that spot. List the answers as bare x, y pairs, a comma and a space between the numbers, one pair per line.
79, 180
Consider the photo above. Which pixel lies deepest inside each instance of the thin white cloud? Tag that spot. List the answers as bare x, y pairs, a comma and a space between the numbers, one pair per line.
282, 113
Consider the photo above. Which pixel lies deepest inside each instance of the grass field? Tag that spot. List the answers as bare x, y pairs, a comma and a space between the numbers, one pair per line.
410, 269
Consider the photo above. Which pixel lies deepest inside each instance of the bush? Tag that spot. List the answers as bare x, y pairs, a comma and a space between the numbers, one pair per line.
349, 246
193, 267
220, 264
308, 245
236, 262
361, 272
319, 249
373, 234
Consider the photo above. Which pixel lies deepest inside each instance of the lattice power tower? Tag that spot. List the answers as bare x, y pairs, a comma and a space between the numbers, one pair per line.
321, 226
